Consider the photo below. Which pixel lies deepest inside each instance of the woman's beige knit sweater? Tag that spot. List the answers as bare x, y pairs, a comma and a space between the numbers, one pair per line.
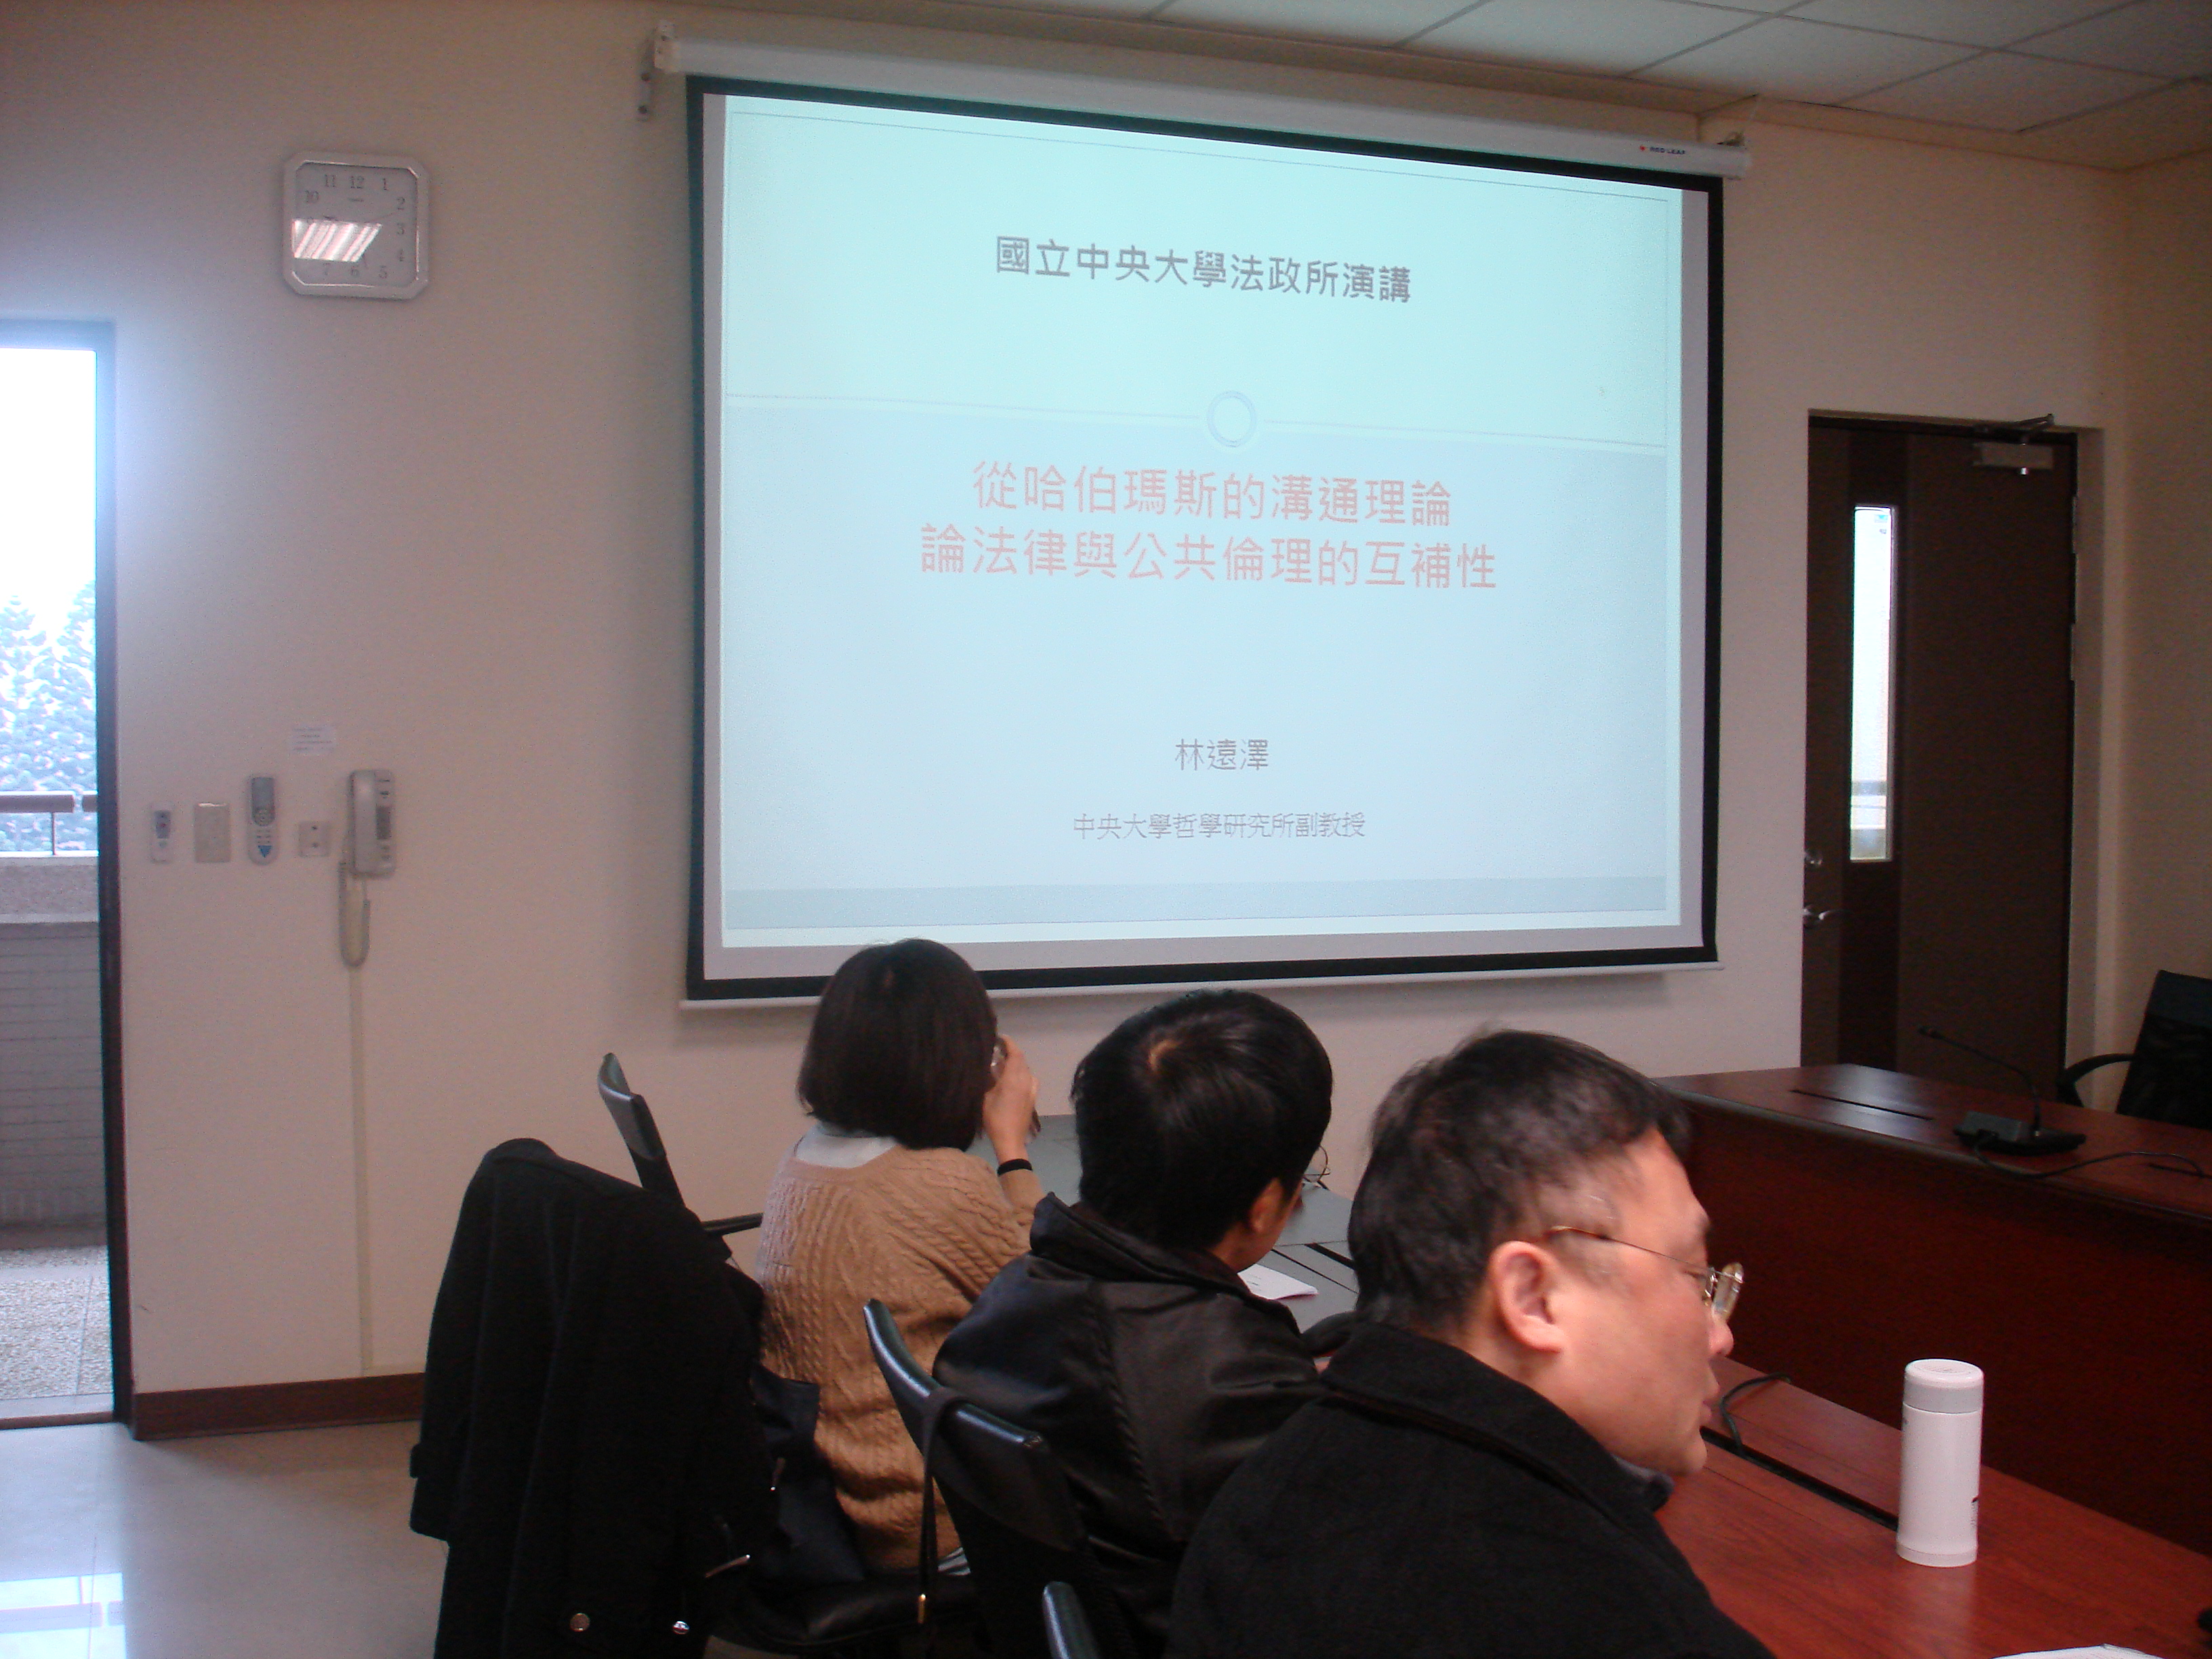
923, 1229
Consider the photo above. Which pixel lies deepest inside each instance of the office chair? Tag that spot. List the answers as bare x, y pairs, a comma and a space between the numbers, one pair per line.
1065, 1626
2170, 1070
634, 1121
844, 1620
1010, 1499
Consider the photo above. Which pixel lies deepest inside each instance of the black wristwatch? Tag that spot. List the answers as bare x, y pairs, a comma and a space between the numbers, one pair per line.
1014, 1164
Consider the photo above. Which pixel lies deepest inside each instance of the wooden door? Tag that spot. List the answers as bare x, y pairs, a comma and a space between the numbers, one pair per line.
1962, 925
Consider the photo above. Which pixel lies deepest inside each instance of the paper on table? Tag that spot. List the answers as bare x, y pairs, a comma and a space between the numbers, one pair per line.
1266, 1283
2105, 1652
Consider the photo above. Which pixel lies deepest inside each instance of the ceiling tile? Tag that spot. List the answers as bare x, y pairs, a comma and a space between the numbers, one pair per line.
1811, 62
1602, 37
2170, 38
2175, 120
2007, 92
1970, 22
1371, 22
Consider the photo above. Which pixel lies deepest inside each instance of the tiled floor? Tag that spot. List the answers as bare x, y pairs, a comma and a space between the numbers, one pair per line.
248, 1547
53, 1328
251, 1547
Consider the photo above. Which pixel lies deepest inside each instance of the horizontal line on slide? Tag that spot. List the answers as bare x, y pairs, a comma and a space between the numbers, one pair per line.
1230, 901
931, 405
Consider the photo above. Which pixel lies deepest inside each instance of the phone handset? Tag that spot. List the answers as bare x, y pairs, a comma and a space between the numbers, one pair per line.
368, 852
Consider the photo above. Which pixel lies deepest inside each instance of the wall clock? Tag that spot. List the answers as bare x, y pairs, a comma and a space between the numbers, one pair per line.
353, 226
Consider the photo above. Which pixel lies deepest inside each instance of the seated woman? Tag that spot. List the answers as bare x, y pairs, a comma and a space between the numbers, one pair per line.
903, 1070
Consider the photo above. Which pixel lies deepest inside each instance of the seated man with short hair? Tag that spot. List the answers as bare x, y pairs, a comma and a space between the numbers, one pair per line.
1477, 1480
1125, 1337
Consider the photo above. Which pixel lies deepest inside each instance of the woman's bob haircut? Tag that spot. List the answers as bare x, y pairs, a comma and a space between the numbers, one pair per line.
901, 1046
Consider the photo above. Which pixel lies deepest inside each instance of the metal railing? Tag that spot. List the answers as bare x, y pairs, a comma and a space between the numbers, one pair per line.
55, 806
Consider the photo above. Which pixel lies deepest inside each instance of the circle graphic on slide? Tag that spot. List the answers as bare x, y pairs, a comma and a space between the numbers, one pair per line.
1232, 420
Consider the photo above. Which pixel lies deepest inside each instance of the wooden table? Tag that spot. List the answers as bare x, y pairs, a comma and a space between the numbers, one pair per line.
1870, 1238
1812, 1578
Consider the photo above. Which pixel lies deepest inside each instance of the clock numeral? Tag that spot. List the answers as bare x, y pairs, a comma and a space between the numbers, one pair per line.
306, 196
330, 181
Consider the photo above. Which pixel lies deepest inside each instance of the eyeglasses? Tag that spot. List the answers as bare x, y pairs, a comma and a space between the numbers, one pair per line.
1719, 1286
1317, 1175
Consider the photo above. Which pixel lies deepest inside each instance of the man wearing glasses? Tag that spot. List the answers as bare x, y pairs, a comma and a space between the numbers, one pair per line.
1480, 1474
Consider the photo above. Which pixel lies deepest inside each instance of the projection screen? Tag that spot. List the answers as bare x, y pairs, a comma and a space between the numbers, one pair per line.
1140, 552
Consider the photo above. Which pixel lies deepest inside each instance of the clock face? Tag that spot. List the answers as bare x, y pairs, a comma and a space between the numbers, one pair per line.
354, 227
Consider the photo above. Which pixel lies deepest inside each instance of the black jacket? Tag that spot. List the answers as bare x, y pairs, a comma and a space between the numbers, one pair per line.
1150, 1373
589, 1446
1357, 1531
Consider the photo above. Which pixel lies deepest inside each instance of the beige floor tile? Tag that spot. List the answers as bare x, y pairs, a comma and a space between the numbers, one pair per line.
252, 1547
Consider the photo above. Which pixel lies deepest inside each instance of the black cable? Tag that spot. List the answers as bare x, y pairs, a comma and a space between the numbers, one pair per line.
2194, 1169
1727, 1421
1775, 1466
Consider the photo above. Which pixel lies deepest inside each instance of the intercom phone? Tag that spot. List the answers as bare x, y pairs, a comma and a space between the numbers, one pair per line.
369, 796
368, 822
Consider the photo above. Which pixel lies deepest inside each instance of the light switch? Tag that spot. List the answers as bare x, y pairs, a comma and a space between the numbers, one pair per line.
212, 831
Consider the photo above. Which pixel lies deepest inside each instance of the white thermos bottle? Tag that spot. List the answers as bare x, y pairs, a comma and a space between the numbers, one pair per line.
1938, 1498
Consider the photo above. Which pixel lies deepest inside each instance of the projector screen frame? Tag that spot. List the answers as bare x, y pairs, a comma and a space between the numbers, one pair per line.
703, 991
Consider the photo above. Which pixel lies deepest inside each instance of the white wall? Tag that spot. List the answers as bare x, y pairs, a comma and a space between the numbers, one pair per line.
2168, 801
458, 528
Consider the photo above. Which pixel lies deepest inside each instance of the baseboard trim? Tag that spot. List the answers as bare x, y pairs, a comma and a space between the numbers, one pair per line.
57, 1411
176, 1413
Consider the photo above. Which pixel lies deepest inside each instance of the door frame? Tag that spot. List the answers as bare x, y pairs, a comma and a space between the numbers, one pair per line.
2094, 1023
99, 338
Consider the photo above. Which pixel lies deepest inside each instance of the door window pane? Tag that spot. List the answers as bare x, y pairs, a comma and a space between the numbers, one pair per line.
46, 741
1873, 564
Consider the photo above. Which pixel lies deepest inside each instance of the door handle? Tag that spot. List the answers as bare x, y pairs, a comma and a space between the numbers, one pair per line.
1815, 918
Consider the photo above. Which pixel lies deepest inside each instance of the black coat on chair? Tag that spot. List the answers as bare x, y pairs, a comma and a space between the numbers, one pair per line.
589, 1450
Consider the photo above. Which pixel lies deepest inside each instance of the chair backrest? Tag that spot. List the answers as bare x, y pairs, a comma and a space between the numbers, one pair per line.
1066, 1628
992, 1466
2169, 1077
634, 1121
1009, 1498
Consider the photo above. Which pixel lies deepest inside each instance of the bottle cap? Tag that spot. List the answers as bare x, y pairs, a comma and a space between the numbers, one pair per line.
1943, 1385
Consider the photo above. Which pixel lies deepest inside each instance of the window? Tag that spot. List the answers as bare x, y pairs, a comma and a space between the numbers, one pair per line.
1874, 674
47, 742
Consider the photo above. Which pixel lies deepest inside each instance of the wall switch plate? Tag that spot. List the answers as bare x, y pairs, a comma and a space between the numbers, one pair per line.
162, 821
212, 831
314, 841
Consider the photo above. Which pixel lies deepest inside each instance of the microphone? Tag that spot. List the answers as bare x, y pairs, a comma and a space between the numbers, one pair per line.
1990, 1131
1963, 1047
